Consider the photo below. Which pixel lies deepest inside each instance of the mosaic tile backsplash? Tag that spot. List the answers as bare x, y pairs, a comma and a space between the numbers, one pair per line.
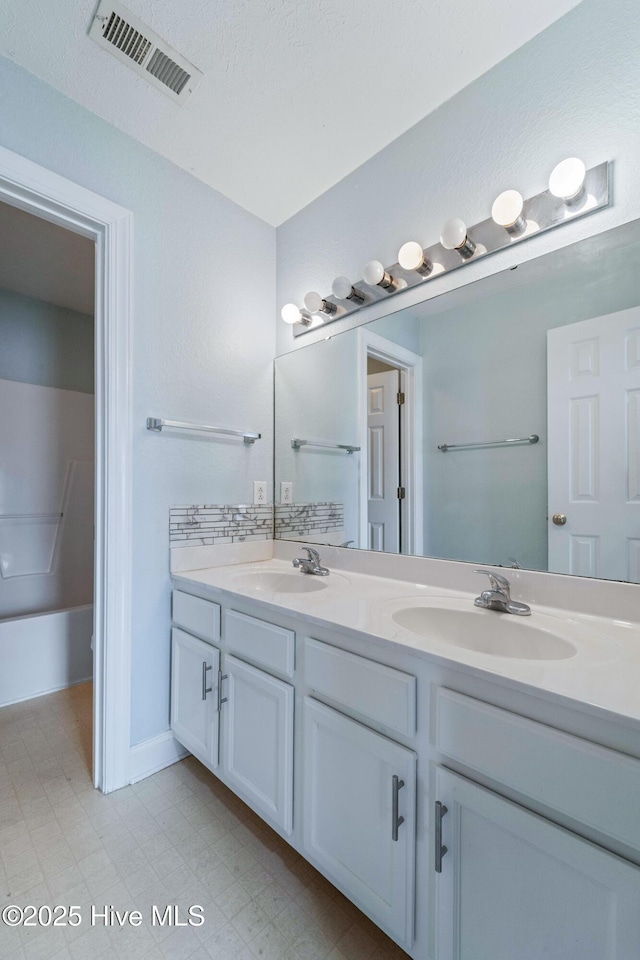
202, 525
296, 520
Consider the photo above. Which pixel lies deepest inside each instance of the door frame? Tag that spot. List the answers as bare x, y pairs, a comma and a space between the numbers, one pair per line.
47, 195
410, 364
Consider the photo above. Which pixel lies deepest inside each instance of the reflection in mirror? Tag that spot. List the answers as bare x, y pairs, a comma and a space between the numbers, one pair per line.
549, 349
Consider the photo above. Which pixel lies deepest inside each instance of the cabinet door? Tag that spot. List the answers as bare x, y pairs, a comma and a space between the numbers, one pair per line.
514, 885
257, 740
352, 809
194, 695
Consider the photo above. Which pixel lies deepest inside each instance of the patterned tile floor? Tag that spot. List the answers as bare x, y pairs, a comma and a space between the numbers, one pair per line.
179, 837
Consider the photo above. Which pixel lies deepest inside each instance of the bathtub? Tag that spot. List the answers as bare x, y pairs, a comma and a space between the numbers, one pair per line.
44, 652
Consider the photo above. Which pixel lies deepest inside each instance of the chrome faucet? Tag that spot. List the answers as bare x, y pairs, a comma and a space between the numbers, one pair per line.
498, 596
311, 564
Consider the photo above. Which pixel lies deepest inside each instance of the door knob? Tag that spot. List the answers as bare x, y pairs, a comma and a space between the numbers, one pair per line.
559, 519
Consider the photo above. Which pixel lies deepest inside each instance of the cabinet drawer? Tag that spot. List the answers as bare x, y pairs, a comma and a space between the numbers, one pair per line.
592, 784
264, 643
198, 616
372, 690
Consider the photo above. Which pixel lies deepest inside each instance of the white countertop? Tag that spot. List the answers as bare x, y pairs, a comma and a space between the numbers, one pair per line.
604, 672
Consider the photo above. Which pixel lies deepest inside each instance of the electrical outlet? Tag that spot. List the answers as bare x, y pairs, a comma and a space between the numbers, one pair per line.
286, 491
259, 491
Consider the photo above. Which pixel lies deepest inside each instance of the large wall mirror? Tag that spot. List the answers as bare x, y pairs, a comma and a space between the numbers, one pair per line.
529, 378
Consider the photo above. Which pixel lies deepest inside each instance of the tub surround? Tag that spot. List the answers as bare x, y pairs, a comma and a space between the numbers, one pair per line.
367, 589
45, 652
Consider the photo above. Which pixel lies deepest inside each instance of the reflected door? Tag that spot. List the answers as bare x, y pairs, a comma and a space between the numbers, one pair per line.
383, 429
594, 447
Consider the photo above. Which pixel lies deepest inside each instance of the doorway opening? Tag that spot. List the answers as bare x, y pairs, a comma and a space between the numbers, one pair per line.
35, 190
47, 476
391, 481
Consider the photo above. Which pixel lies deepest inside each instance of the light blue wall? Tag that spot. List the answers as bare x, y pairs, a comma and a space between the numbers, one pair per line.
572, 90
45, 344
202, 339
485, 377
407, 332
318, 395
317, 398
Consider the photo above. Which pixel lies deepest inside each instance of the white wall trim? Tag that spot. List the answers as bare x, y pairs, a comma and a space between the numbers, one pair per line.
372, 344
155, 754
33, 188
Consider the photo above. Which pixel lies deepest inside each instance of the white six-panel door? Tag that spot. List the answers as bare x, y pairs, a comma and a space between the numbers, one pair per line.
383, 429
594, 446
515, 886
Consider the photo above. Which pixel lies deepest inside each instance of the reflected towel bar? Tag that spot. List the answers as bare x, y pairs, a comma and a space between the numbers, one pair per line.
488, 443
296, 443
156, 425
30, 516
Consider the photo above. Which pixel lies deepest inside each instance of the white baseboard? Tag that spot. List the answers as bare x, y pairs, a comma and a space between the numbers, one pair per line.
155, 754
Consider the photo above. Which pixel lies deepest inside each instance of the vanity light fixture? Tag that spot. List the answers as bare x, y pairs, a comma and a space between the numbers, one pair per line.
454, 237
567, 181
316, 304
375, 275
343, 289
507, 212
411, 257
292, 314
519, 216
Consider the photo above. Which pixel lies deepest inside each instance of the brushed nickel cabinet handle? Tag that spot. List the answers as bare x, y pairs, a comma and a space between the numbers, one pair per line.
396, 821
221, 676
205, 688
440, 849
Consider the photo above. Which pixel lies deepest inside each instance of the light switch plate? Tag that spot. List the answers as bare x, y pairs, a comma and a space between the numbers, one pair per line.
259, 491
286, 491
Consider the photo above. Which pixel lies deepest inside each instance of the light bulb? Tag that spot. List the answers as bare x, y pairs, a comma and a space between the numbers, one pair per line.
343, 289
411, 257
507, 212
316, 304
290, 313
375, 275
567, 180
454, 237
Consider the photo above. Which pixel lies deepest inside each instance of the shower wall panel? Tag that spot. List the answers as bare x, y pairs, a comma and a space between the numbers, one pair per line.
46, 498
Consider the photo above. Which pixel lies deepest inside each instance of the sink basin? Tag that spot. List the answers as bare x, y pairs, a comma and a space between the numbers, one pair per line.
275, 581
460, 624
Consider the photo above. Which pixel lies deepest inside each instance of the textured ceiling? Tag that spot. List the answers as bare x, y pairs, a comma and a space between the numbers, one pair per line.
296, 93
41, 260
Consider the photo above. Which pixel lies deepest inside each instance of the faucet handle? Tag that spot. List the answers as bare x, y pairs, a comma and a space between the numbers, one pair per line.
497, 582
312, 554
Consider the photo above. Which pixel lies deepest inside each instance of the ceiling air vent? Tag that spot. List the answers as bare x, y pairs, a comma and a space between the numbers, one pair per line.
115, 28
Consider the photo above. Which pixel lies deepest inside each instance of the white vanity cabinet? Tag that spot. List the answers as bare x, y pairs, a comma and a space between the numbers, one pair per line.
195, 667
257, 740
515, 885
351, 747
510, 882
233, 716
359, 815
359, 792
257, 715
